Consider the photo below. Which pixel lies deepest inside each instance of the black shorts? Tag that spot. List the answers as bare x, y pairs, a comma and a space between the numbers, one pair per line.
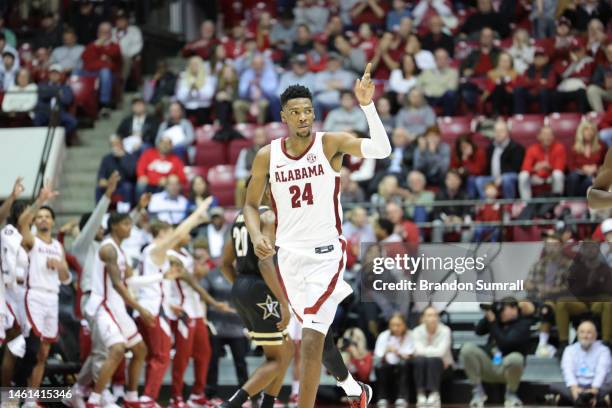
258, 309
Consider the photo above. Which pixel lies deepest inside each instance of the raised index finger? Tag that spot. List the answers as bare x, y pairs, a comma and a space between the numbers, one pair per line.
368, 67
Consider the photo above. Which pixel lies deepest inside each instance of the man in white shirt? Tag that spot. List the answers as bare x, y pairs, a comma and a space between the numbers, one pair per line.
129, 39
169, 205
68, 56
586, 369
215, 232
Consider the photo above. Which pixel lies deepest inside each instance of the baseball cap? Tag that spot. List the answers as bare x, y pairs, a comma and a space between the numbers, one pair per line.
55, 67
606, 226
540, 50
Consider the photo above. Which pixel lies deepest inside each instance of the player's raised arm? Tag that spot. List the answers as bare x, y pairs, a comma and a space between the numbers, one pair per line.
26, 218
259, 177
5, 208
158, 253
378, 145
598, 196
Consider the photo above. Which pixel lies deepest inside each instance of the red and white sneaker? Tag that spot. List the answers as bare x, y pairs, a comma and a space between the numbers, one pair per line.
177, 403
363, 399
200, 401
131, 404
92, 405
149, 403
279, 404
293, 401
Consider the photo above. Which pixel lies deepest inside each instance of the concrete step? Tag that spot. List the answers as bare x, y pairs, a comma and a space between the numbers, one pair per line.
71, 208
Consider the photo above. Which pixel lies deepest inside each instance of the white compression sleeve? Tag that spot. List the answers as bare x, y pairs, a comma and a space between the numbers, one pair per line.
378, 145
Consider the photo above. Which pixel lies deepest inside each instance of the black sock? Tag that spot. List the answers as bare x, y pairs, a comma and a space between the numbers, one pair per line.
332, 359
267, 401
239, 398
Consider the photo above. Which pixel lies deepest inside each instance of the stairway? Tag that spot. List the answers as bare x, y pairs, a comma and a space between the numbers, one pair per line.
79, 173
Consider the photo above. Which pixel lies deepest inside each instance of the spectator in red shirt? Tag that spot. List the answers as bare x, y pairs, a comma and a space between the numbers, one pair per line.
537, 85
575, 74
205, 45
355, 354
490, 211
596, 41
499, 88
406, 229
317, 57
102, 58
470, 160
584, 159
562, 40
600, 89
370, 11
387, 55
155, 165
40, 65
477, 64
544, 163
235, 45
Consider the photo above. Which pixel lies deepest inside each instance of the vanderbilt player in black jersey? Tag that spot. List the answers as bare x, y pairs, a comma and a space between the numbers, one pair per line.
262, 305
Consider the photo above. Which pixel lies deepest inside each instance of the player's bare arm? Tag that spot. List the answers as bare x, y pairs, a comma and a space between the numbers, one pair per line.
108, 255
227, 262
61, 266
158, 253
259, 177
598, 196
378, 145
27, 217
268, 271
5, 208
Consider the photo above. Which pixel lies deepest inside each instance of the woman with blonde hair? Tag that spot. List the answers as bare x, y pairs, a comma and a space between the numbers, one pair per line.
388, 190
432, 355
393, 351
500, 84
585, 157
227, 92
195, 90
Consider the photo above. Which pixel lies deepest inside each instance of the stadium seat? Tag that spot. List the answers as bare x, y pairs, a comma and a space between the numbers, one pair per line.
274, 130
85, 90
564, 126
222, 184
525, 128
235, 147
247, 130
206, 132
452, 127
209, 153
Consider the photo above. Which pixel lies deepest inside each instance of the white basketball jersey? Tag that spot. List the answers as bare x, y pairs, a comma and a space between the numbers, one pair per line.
183, 294
305, 195
39, 275
15, 261
101, 285
151, 296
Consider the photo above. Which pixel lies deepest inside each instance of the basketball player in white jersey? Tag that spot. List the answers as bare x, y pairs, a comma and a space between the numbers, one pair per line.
599, 196
186, 308
304, 173
158, 337
107, 308
47, 271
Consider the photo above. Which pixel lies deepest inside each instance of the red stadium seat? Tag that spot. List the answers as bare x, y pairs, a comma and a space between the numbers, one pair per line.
85, 90
452, 127
206, 132
525, 128
209, 153
246, 129
564, 126
222, 184
192, 171
235, 147
274, 130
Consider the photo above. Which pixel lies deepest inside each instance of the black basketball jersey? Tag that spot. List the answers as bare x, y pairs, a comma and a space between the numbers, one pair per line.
246, 260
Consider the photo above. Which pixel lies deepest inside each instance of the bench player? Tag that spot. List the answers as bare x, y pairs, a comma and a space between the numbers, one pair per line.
304, 174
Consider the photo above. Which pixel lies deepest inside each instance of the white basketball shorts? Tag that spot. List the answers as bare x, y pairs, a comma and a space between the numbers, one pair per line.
312, 279
113, 325
42, 313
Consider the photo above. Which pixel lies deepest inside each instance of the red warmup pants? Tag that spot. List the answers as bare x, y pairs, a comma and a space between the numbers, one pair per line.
201, 356
85, 346
183, 347
158, 357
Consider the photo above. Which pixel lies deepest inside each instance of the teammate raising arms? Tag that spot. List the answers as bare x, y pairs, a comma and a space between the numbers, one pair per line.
599, 196
304, 173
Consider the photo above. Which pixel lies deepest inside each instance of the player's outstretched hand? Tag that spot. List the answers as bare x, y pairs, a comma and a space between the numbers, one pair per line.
364, 87
204, 205
263, 247
285, 316
47, 193
18, 188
